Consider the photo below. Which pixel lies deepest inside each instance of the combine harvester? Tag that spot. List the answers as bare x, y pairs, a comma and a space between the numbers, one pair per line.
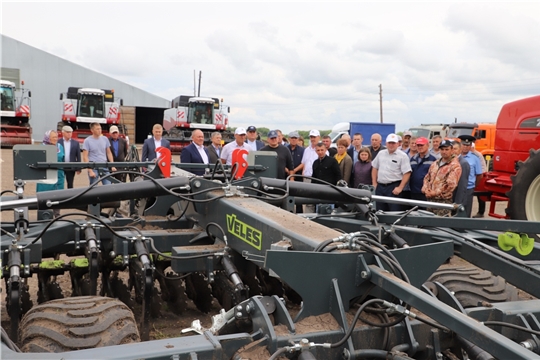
368, 284
15, 115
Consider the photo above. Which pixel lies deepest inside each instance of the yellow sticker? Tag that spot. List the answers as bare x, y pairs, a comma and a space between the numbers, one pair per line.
244, 232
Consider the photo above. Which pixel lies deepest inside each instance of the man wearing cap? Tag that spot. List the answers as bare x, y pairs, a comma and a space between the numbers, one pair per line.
251, 138
420, 164
96, 148
391, 172
284, 158
310, 155
475, 174
195, 153
406, 140
119, 149
72, 151
297, 152
215, 147
151, 144
375, 148
442, 178
238, 143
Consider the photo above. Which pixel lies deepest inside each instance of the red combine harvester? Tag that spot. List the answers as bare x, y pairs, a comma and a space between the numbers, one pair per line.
15, 115
83, 106
514, 174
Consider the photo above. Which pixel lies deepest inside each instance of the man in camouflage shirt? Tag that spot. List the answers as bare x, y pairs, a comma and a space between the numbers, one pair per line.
442, 178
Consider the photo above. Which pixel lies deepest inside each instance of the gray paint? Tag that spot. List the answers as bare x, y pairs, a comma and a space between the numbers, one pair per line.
47, 75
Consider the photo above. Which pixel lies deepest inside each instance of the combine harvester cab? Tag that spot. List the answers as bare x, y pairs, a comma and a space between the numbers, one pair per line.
84, 106
188, 113
514, 174
15, 115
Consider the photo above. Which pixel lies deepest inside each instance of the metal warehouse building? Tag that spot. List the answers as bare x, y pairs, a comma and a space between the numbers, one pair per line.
47, 76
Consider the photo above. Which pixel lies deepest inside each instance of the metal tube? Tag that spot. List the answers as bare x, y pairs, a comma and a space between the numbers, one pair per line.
13, 204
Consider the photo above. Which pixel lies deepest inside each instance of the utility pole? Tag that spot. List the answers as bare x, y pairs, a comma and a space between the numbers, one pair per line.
380, 100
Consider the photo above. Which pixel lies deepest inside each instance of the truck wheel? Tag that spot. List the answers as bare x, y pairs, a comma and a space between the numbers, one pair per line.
77, 323
524, 195
473, 286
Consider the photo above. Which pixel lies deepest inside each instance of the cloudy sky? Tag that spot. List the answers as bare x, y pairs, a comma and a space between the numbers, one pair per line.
304, 65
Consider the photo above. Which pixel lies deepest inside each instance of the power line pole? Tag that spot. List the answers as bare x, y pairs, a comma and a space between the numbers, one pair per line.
380, 101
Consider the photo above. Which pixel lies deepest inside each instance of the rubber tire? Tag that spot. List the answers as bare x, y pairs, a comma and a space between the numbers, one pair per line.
77, 323
472, 286
521, 191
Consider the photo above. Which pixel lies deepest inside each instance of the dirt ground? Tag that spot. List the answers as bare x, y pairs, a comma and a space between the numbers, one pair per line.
169, 324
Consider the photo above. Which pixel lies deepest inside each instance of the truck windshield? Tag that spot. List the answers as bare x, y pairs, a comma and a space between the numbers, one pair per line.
201, 113
420, 133
456, 132
7, 101
91, 106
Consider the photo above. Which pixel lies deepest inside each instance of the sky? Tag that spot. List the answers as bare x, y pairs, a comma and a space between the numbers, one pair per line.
302, 66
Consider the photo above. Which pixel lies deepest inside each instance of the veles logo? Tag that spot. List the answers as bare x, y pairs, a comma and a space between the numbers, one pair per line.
244, 232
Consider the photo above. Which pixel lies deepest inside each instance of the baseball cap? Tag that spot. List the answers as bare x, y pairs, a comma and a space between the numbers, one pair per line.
314, 132
422, 141
240, 131
67, 128
113, 129
251, 128
392, 138
272, 134
294, 134
407, 133
399, 138
444, 143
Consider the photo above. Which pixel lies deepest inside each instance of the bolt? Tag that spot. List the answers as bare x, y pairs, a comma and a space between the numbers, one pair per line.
304, 342
239, 314
248, 308
239, 308
112, 254
364, 274
163, 163
346, 354
197, 184
254, 184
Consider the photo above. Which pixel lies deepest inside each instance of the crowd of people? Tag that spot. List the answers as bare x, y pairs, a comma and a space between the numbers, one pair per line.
404, 167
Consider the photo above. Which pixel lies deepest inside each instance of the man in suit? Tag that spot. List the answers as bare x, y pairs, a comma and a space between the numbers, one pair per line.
214, 149
251, 138
151, 144
195, 153
119, 149
72, 151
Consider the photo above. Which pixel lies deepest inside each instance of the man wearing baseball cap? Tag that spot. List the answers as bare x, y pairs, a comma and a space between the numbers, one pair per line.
391, 170
442, 178
284, 158
72, 151
251, 138
310, 155
420, 164
119, 149
406, 140
238, 143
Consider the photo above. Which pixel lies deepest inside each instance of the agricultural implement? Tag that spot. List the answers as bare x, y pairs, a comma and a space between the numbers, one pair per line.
366, 284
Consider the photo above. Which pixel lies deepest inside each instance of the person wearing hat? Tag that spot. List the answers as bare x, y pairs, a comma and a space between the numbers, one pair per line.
284, 158
420, 164
195, 153
238, 143
297, 152
251, 138
72, 151
407, 135
442, 178
475, 174
391, 170
119, 149
310, 155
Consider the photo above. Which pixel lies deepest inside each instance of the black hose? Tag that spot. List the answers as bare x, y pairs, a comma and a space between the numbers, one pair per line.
378, 354
278, 353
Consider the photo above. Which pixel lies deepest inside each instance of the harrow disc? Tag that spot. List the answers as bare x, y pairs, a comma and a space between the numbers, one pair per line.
52, 291
198, 290
174, 293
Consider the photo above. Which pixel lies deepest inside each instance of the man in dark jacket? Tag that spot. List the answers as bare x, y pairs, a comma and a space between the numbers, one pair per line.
72, 151
195, 153
119, 149
284, 158
151, 144
325, 168
251, 138
214, 149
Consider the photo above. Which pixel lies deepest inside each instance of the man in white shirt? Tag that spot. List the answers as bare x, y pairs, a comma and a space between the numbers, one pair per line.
238, 143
